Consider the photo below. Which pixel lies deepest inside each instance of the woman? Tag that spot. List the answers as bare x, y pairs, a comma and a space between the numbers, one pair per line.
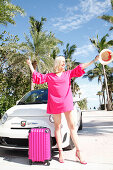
60, 98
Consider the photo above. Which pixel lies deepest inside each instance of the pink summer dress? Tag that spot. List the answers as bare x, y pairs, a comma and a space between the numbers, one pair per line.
59, 89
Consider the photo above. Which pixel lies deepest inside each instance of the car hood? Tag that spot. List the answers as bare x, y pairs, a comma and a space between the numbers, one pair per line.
28, 110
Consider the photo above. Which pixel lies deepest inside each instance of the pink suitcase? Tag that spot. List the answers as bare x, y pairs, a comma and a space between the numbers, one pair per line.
39, 145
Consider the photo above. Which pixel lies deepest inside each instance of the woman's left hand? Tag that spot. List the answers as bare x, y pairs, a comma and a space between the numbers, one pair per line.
96, 58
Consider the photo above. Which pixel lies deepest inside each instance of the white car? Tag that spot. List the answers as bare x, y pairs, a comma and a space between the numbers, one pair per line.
30, 112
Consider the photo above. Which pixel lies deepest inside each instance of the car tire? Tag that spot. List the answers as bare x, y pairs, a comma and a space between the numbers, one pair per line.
80, 127
71, 145
30, 162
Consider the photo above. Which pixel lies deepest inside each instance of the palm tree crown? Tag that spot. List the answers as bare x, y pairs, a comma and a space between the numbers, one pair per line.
108, 18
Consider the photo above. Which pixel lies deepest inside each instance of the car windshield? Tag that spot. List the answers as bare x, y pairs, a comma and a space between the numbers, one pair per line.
35, 97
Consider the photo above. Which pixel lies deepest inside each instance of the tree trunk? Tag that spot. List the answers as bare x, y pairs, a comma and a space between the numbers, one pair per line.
103, 98
68, 63
100, 100
103, 93
109, 106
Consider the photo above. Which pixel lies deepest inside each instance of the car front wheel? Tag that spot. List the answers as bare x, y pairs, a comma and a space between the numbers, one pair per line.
80, 127
71, 145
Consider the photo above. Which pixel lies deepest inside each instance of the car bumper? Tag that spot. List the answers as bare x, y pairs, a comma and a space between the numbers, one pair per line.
8, 147
17, 143
22, 143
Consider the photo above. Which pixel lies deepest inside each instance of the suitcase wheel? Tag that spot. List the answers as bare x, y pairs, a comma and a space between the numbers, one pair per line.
30, 162
48, 163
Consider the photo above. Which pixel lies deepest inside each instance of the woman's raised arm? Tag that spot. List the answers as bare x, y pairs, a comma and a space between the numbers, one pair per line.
30, 65
85, 65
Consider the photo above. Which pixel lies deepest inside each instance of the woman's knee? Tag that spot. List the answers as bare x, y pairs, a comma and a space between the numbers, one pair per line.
70, 120
72, 126
57, 126
57, 121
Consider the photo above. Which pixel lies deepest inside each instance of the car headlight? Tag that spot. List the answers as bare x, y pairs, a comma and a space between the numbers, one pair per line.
51, 119
4, 118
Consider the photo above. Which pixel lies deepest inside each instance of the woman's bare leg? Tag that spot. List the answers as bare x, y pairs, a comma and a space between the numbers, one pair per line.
57, 124
71, 124
73, 132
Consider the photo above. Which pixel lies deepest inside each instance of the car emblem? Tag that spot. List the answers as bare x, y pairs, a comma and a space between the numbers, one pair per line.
23, 123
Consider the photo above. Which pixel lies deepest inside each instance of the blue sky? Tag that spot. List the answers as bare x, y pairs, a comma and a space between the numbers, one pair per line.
72, 22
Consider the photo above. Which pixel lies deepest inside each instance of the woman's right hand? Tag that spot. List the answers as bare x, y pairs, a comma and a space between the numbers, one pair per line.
28, 61
30, 65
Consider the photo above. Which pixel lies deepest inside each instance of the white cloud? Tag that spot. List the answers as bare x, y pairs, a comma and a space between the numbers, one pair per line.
94, 7
71, 10
76, 16
85, 50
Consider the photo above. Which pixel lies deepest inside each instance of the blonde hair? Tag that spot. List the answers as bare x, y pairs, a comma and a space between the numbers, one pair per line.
57, 63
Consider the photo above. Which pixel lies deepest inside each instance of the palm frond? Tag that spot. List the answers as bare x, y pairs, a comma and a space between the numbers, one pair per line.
111, 28
110, 43
107, 18
112, 4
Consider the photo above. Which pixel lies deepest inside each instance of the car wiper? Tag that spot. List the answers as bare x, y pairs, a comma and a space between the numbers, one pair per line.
38, 102
41, 102
21, 103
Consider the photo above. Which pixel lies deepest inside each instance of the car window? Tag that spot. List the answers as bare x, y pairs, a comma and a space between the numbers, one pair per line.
35, 97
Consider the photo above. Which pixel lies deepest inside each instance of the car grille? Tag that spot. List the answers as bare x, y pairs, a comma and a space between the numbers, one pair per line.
14, 142
17, 142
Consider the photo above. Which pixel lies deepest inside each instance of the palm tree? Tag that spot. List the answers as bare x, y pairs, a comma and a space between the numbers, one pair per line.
40, 47
110, 84
100, 45
9, 49
100, 93
108, 18
83, 104
68, 52
9, 43
75, 87
79, 94
8, 12
97, 72
70, 65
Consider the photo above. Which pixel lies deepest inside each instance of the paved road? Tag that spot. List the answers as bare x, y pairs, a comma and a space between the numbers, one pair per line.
96, 140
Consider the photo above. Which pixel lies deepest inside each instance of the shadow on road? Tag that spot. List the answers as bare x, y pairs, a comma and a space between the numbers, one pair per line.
98, 126
20, 156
